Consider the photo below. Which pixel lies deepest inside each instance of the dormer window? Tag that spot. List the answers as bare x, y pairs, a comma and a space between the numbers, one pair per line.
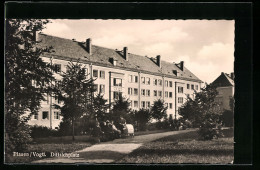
114, 62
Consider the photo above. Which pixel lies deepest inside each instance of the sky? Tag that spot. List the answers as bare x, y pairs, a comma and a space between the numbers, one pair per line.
205, 46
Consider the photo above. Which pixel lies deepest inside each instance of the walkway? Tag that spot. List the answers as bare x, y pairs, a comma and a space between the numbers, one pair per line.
108, 152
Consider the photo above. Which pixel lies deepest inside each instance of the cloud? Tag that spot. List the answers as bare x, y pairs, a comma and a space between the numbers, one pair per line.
163, 49
219, 54
216, 52
56, 29
207, 72
210, 61
173, 34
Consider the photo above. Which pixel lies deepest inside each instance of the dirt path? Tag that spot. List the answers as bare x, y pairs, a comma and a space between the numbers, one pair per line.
108, 152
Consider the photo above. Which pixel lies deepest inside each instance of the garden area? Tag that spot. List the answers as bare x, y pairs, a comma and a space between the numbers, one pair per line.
185, 148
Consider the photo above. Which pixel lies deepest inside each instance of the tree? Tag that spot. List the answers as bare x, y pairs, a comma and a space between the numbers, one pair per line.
100, 107
158, 110
23, 65
142, 117
76, 92
120, 110
203, 112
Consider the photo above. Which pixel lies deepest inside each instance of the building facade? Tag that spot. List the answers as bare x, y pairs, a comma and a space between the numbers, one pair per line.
140, 79
225, 87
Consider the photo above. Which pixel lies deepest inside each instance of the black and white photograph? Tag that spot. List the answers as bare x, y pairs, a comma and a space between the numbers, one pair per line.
119, 91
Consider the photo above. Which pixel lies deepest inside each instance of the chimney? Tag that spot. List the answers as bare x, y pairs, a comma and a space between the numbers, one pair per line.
126, 53
35, 35
88, 45
158, 60
232, 75
181, 65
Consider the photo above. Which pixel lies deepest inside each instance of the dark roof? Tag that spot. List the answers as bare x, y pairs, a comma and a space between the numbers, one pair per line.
223, 80
72, 49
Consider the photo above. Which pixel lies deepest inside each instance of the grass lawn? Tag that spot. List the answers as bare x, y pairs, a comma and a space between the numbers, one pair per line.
47, 148
184, 148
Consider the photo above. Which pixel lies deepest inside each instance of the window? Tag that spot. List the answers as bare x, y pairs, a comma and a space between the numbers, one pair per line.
130, 91
56, 98
170, 105
148, 104
148, 93
143, 92
188, 86
46, 97
135, 103
155, 82
114, 62
130, 103
117, 94
117, 82
45, 115
155, 92
170, 83
148, 80
86, 71
170, 94
196, 87
180, 99
102, 88
143, 104
136, 79
135, 91
95, 87
192, 87
166, 83
166, 105
130, 78
160, 82
180, 89
166, 94
160, 93
57, 68
57, 115
143, 80
102, 74
35, 116
95, 73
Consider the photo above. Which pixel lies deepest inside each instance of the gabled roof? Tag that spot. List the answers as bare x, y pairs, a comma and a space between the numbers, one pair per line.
223, 80
66, 48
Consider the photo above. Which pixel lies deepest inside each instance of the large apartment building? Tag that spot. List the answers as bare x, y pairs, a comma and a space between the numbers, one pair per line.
140, 79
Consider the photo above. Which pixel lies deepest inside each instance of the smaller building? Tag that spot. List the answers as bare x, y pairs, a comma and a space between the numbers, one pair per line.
225, 87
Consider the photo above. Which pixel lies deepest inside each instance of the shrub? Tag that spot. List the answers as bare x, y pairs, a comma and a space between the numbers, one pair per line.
151, 126
65, 128
42, 131
209, 129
